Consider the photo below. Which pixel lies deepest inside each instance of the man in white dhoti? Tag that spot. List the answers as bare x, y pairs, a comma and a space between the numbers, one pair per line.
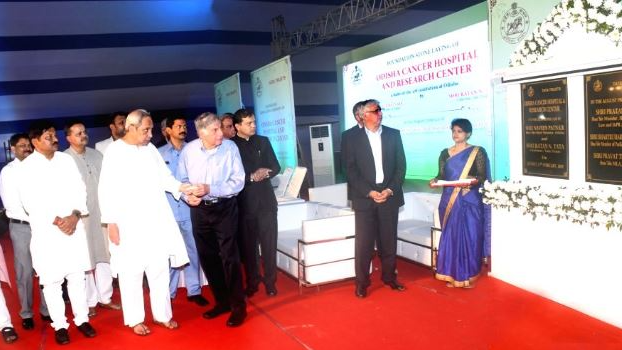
20, 232
89, 162
54, 196
141, 227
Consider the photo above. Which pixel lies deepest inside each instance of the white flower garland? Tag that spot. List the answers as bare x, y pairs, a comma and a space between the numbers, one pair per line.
580, 205
598, 16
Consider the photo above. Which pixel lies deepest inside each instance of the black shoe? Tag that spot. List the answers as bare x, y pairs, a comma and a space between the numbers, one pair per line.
395, 285
28, 323
236, 318
61, 336
45, 318
9, 335
87, 330
216, 311
198, 299
271, 291
361, 291
251, 290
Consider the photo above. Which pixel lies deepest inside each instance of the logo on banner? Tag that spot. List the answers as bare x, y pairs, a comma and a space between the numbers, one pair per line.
530, 92
258, 87
357, 75
514, 24
598, 85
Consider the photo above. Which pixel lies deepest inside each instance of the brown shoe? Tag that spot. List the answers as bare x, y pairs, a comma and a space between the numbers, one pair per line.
110, 306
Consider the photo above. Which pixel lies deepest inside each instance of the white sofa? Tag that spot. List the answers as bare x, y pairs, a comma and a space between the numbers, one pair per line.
315, 242
417, 228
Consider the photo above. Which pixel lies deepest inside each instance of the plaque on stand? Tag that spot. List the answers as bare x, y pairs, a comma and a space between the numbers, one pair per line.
545, 128
603, 127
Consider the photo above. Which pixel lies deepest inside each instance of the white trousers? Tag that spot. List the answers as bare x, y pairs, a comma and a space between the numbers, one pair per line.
5, 317
76, 289
131, 285
99, 285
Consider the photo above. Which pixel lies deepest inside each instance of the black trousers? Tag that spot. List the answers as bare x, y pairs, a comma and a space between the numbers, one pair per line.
214, 227
376, 225
258, 229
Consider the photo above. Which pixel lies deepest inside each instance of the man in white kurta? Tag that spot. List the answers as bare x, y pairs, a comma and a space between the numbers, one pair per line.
117, 130
54, 196
143, 232
89, 162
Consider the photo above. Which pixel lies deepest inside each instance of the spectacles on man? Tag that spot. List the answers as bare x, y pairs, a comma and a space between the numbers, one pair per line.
375, 111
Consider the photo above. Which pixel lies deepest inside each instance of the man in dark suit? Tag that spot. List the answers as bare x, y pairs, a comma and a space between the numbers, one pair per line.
357, 111
257, 204
376, 167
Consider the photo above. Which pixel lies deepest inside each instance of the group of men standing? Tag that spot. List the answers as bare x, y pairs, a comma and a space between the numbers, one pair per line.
138, 211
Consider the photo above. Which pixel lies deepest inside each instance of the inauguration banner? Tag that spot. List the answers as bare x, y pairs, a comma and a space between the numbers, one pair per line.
273, 98
228, 95
423, 87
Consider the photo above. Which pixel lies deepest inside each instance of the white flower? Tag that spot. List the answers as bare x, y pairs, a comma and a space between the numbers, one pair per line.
586, 205
591, 26
601, 18
532, 45
594, 3
591, 13
612, 19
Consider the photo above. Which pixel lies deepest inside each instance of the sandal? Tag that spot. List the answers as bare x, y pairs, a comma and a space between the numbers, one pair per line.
141, 329
171, 324
9, 335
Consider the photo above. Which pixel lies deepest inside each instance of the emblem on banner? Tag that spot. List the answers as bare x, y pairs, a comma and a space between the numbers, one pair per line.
530, 92
357, 75
258, 87
598, 85
514, 24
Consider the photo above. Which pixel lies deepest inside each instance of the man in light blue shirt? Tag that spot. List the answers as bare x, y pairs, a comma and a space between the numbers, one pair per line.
177, 130
214, 167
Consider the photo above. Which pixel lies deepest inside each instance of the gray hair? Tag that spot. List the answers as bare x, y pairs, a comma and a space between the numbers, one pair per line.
136, 117
205, 119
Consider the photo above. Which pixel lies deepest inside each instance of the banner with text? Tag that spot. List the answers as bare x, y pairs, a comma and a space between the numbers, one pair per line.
273, 99
423, 87
228, 95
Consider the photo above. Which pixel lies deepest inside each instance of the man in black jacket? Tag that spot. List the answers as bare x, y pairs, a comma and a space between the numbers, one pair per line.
376, 167
257, 204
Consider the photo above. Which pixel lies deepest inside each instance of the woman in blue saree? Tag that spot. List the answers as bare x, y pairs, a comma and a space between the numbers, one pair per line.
465, 220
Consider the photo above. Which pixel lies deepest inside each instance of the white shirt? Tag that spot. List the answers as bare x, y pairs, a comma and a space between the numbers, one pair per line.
375, 140
132, 194
102, 146
9, 177
49, 188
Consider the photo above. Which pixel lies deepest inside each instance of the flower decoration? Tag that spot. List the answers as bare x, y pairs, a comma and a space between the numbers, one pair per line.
597, 16
579, 205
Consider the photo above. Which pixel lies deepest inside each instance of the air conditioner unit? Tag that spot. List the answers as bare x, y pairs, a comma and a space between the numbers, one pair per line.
322, 155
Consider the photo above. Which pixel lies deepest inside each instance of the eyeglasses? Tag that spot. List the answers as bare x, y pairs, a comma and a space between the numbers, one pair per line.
375, 111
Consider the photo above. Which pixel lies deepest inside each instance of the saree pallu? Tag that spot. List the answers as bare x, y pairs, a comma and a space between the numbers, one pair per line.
465, 238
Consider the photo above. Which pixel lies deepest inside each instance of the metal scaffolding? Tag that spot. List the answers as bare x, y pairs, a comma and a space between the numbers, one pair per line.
347, 17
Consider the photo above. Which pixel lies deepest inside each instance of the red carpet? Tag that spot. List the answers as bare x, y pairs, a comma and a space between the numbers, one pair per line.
494, 315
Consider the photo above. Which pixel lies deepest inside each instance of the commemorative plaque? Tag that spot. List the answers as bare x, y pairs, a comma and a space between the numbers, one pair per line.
545, 128
603, 127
